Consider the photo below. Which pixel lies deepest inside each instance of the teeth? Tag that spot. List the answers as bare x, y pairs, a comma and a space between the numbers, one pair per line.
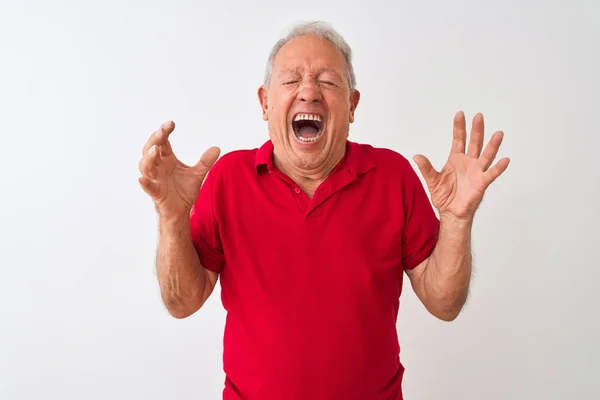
307, 117
305, 140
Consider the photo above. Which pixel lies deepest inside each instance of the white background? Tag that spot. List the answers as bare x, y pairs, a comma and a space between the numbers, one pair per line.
83, 84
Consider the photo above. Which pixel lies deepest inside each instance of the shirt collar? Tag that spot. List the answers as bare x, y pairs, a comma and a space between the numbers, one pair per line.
356, 160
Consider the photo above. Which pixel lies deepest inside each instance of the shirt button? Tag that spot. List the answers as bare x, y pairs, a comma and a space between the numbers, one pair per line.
297, 191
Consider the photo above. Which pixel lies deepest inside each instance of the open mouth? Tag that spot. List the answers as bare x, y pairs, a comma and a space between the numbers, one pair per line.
307, 127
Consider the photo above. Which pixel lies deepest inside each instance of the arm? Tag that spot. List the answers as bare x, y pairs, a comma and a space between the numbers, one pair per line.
174, 187
441, 282
184, 284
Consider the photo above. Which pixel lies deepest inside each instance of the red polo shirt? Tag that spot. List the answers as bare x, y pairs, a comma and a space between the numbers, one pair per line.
312, 287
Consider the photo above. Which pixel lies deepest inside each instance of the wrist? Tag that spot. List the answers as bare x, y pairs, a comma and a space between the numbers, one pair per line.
174, 223
450, 221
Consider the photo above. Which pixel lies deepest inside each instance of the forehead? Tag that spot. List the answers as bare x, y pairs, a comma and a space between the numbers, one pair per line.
309, 52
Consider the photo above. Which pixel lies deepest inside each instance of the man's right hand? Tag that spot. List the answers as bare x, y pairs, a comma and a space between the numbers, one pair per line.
173, 186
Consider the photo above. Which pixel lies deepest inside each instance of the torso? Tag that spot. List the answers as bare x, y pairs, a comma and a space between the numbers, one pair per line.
312, 282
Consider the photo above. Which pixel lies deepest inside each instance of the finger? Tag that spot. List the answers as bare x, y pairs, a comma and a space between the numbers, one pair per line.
491, 150
149, 186
160, 138
164, 144
493, 173
149, 162
429, 173
207, 160
459, 135
477, 132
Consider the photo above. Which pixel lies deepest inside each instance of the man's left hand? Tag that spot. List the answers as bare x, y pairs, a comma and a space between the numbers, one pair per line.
457, 190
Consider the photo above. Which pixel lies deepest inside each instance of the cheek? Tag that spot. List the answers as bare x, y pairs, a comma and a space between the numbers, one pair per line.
339, 109
281, 103
279, 107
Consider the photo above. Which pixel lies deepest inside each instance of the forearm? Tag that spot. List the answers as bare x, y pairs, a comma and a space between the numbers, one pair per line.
447, 274
181, 277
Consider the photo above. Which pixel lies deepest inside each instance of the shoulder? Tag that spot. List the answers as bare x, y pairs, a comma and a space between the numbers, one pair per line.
237, 158
236, 163
389, 169
385, 160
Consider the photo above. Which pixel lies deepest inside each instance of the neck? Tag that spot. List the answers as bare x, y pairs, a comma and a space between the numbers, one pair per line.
308, 179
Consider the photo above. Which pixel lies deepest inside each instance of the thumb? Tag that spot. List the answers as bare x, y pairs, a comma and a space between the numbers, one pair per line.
429, 173
206, 162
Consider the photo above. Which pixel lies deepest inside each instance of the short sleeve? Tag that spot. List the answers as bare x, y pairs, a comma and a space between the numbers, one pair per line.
421, 224
204, 228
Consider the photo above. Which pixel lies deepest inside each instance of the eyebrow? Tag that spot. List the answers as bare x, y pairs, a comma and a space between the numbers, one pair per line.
331, 71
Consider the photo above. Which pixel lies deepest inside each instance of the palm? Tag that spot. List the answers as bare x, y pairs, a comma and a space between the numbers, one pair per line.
459, 187
178, 184
173, 186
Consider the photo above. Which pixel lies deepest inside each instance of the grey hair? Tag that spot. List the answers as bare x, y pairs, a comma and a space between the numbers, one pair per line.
323, 30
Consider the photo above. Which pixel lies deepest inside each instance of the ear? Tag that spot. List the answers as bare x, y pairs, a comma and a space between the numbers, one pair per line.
262, 98
354, 99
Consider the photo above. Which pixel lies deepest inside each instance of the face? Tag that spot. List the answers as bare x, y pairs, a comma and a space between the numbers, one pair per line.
308, 104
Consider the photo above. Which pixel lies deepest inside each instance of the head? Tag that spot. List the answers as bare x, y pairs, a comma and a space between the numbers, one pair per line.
309, 98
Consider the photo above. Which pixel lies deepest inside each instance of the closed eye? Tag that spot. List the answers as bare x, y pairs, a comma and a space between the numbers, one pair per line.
329, 83
290, 82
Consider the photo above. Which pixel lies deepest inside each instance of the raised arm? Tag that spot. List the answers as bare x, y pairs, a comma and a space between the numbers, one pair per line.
173, 186
442, 281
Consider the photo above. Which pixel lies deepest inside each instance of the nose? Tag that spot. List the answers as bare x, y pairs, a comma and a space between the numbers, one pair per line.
310, 93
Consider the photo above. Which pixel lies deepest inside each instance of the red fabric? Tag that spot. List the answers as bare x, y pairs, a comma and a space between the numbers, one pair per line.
312, 287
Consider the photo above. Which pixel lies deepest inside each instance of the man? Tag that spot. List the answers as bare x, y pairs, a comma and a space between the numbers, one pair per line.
311, 233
